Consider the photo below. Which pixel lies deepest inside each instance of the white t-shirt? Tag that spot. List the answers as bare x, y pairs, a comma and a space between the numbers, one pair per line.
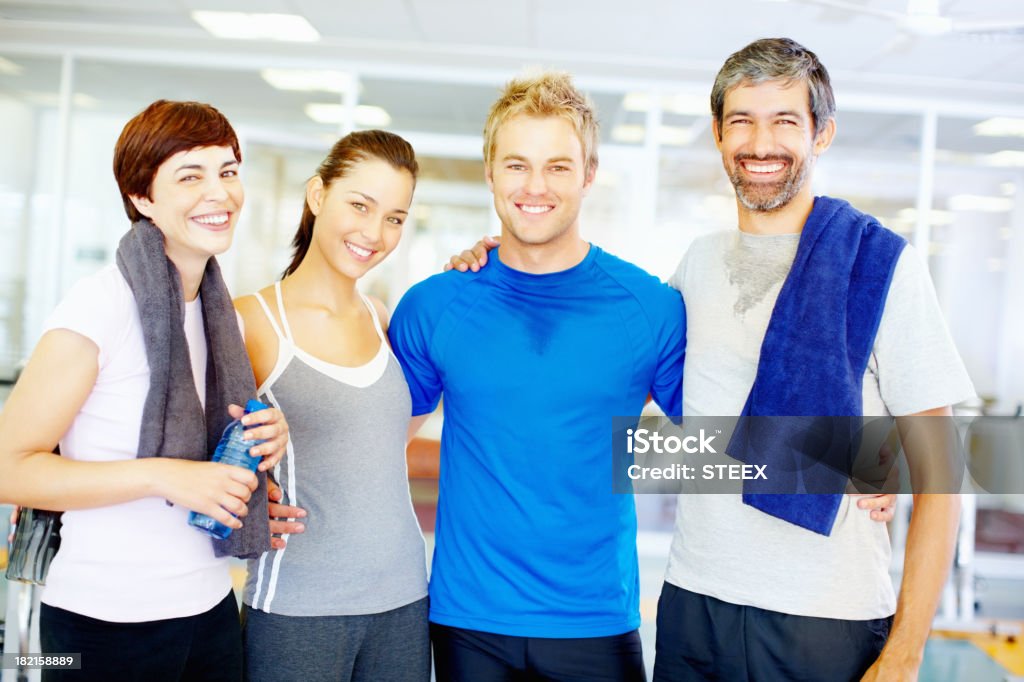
733, 552
136, 561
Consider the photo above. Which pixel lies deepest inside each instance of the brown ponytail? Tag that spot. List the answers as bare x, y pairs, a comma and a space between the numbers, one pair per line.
346, 152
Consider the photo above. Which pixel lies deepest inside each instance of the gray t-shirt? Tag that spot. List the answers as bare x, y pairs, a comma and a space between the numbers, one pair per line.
733, 552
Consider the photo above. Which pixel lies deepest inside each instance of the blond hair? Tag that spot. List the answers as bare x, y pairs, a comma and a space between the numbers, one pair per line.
546, 93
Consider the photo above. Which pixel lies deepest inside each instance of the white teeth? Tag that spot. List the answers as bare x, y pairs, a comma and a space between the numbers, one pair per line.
535, 209
219, 219
765, 168
358, 250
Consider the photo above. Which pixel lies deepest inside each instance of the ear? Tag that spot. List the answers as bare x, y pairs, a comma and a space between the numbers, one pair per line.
489, 177
315, 194
588, 179
716, 132
142, 204
823, 140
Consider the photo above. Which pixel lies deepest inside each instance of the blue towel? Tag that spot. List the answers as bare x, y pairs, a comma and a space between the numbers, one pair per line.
813, 358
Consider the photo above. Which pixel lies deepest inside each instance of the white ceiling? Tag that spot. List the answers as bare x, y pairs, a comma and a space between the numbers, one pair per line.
647, 39
435, 64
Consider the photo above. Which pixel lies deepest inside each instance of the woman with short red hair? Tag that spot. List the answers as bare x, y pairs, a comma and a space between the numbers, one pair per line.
134, 376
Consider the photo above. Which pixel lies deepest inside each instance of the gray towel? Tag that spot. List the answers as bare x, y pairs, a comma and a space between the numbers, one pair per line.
173, 423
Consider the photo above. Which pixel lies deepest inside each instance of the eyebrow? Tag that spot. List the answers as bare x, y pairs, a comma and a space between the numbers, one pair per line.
373, 201
198, 166
785, 112
557, 159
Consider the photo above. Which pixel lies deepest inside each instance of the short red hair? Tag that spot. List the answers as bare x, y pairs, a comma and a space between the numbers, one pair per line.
157, 133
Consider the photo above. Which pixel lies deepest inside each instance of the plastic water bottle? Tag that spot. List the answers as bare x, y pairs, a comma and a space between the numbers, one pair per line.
230, 450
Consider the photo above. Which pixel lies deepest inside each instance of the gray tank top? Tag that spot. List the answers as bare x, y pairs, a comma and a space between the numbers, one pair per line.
362, 551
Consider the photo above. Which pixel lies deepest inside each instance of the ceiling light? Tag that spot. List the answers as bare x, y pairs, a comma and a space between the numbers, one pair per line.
936, 217
608, 178
1007, 157
83, 101
251, 26
365, 115
688, 105
9, 68
897, 225
974, 202
51, 99
1005, 233
674, 135
1000, 126
995, 264
308, 80
1008, 189
636, 101
667, 135
683, 104
628, 133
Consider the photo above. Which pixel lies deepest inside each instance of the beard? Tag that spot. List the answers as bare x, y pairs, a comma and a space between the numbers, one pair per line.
765, 197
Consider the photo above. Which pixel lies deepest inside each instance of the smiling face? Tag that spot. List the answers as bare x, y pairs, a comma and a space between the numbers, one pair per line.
194, 200
768, 143
359, 216
538, 179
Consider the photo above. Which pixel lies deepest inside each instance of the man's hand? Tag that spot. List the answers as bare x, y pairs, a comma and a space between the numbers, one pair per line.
280, 515
268, 425
883, 507
888, 669
474, 258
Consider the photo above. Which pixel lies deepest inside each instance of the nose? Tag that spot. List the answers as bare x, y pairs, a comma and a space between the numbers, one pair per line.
372, 231
535, 183
763, 142
215, 189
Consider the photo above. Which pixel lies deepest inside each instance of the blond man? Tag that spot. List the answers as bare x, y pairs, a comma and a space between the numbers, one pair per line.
535, 569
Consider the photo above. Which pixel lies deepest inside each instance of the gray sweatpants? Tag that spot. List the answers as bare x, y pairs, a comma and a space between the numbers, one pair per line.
393, 646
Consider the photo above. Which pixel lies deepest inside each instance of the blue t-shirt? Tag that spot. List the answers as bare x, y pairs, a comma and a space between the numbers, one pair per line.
530, 539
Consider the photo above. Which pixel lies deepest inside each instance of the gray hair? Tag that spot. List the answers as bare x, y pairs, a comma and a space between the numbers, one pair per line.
775, 59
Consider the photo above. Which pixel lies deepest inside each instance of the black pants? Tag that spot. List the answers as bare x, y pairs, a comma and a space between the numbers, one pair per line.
703, 638
462, 655
207, 646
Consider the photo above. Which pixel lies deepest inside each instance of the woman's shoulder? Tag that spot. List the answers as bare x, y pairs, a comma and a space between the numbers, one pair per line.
252, 312
100, 307
261, 340
381, 310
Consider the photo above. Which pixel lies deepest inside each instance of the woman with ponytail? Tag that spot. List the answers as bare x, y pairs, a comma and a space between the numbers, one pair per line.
346, 598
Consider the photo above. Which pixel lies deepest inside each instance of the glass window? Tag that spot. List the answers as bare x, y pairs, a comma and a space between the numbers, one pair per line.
28, 101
